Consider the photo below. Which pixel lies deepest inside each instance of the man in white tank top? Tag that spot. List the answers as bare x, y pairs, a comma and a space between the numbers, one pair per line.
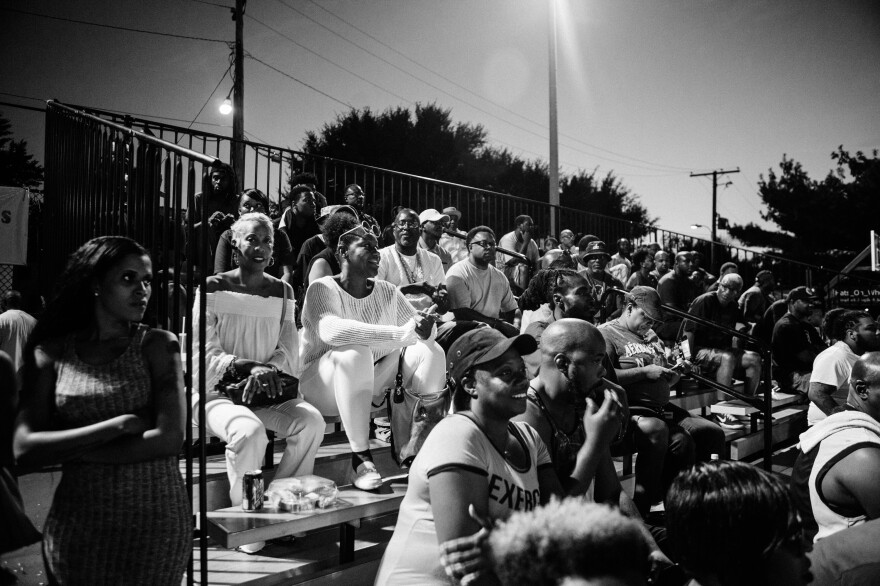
834, 480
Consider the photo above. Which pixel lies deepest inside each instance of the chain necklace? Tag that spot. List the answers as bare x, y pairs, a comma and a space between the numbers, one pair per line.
412, 277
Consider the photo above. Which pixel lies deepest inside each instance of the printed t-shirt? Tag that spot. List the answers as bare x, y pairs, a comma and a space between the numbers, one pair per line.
628, 350
400, 269
413, 554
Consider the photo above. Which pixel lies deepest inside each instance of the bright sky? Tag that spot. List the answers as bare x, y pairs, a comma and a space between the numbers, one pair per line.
649, 89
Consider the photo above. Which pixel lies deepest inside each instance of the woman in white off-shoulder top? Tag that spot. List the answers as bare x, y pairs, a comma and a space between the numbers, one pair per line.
354, 328
251, 330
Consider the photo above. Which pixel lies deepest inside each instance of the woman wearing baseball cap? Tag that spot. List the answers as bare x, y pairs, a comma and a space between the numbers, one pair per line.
478, 459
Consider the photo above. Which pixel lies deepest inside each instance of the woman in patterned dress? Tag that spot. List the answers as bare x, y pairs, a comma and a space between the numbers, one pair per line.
104, 397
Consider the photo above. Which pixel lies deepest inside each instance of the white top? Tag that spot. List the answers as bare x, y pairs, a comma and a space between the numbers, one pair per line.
400, 269
241, 325
413, 554
518, 273
383, 320
484, 290
15, 327
456, 247
837, 436
832, 367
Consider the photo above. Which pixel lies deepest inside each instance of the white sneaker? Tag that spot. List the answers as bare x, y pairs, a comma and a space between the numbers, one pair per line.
366, 477
729, 421
251, 548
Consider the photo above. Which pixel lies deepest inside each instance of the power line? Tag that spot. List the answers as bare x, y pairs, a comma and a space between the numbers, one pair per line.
215, 4
497, 105
211, 95
360, 77
299, 81
110, 26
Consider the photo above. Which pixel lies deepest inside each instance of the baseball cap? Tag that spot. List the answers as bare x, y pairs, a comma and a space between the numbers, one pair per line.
432, 215
765, 275
803, 293
647, 299
452, 211
484, 345
330, 210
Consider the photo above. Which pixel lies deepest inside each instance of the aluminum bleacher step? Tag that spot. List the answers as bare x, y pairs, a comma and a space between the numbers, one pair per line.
788, 422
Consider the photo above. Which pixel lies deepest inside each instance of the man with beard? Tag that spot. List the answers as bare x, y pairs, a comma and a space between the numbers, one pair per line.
433, 223
676, 290
717, 352
593, 258
572, 354
660, 428
477, 290
829, 382
355, 197
796, 343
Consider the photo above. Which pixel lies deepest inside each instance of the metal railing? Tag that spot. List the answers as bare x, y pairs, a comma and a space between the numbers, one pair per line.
763, 404
104, 178
268, 168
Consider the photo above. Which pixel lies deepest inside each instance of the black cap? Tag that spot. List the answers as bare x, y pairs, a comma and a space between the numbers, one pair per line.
484, 345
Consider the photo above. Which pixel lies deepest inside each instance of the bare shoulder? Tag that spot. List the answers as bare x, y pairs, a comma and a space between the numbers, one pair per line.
159, 343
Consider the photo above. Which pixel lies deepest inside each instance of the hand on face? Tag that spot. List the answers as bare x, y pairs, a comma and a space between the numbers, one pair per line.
601, 423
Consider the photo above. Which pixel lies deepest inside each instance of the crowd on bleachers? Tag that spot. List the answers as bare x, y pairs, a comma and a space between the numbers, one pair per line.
558, 355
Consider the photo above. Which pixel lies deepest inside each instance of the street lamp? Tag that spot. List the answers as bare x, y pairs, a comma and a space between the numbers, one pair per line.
226, 106
699, 227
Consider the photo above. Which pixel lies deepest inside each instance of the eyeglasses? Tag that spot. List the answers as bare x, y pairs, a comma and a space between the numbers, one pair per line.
485, 243
408, 224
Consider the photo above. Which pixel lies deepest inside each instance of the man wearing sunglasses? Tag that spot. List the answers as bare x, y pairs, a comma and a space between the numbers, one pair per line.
355, 197
668, 438
477, 290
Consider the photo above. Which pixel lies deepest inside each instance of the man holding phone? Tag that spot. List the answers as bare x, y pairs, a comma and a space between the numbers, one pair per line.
667, 437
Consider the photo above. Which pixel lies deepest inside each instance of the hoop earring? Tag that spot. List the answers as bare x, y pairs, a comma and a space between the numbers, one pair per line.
235, 254
271, 261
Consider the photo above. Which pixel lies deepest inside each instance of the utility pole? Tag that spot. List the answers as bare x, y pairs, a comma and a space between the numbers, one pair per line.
554, 135
714, 175
238, 95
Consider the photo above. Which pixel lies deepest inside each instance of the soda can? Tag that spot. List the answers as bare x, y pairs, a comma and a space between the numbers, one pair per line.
252, 491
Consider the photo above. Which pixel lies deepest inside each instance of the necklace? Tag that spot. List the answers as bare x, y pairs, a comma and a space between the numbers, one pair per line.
411, 276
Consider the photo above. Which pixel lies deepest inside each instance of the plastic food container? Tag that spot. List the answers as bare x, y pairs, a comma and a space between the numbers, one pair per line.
301, 494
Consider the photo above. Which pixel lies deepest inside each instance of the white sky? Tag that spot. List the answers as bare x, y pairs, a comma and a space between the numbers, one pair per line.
651, 89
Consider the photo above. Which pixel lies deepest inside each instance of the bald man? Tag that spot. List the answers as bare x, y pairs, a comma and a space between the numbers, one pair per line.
567, 252
834, 479
572, 352
717, 352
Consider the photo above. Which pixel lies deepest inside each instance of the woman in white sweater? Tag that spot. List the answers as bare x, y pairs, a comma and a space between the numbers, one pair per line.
354, 328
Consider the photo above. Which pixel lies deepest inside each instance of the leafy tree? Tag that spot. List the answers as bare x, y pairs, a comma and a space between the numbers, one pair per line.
823, 222
17, 167
426, 142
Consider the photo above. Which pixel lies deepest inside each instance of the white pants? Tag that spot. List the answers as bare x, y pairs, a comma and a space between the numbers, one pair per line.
345, 382
244, 431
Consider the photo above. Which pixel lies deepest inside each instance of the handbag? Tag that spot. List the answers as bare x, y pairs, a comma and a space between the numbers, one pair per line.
232, 384
412, 416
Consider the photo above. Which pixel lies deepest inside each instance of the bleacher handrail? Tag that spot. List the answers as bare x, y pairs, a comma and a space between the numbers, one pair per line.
763, 404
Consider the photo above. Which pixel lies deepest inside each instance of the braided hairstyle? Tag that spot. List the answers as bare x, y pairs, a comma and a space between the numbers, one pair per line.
542, 286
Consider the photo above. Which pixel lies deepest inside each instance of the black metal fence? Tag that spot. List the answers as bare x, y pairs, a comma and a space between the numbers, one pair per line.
268, 168
103, 178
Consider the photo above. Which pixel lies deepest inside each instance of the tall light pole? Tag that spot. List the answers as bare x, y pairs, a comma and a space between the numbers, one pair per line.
238, 95
554, 134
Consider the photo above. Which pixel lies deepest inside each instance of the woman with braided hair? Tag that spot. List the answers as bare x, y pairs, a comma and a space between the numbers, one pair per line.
556, 293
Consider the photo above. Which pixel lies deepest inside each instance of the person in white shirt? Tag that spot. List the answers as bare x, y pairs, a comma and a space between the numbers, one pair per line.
405, 264
520, 240
433, 224
454, 245
477, 290
829, 384
15, 327
354, 329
